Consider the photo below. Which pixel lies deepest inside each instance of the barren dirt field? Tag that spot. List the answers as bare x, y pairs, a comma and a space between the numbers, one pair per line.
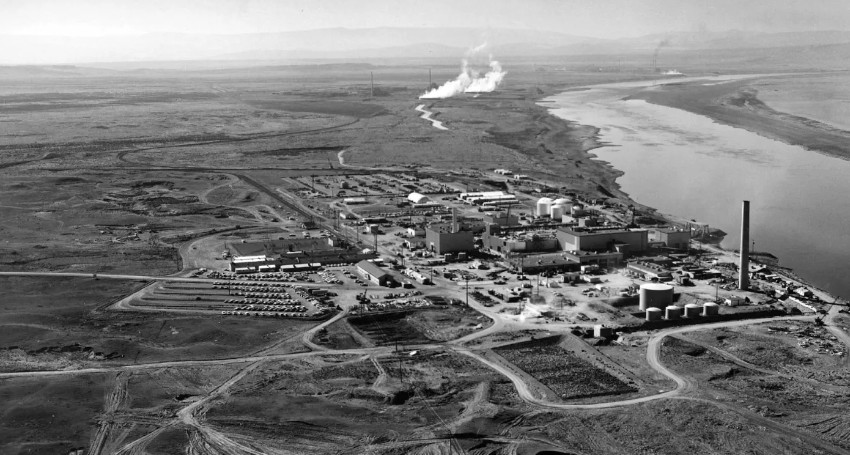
802, 384
61, 323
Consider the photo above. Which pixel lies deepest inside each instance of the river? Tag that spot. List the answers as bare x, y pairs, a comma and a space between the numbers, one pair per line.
688, 165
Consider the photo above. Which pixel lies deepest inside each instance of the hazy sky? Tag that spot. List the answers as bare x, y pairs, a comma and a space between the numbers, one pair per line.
595, 18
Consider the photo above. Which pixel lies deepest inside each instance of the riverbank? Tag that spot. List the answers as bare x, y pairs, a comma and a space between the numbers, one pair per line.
736, 103
691, 167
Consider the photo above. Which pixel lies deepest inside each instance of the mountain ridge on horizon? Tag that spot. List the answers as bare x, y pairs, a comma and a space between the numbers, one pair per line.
380, 42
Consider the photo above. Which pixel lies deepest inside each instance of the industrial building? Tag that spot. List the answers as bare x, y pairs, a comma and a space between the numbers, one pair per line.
445, 238
625, 241
290, 254
370, 271
489, 198
650, 271
414, 243
677, 239
543, 262
505, 242
417, 198
542, 250
501, 219
606, 259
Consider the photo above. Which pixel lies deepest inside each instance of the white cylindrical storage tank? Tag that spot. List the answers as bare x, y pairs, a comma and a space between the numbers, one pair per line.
658, 295
654, 314
543, 205
710, 309
562, 201
672, 312
692, 310
557, 211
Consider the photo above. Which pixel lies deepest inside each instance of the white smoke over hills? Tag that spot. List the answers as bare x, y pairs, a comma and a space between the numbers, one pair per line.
470, 80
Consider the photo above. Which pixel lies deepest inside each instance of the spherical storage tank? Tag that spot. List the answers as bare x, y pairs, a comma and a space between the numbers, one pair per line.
653, 314
710, 309
672, 312
557, 211
658, 295
692, 310
543, 205
576, 210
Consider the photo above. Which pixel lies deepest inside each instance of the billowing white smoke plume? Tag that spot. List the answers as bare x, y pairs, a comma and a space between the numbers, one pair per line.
469, 80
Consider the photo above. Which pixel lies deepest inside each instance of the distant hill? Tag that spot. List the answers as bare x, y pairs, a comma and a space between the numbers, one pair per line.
340, 44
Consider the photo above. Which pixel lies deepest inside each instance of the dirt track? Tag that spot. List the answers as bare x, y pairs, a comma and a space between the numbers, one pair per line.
207, 440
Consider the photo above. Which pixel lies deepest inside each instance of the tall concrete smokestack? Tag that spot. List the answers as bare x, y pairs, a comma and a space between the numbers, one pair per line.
455, 226
744, 270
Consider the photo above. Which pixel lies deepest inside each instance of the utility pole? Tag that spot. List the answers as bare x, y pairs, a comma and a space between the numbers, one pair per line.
467, 290
538, 279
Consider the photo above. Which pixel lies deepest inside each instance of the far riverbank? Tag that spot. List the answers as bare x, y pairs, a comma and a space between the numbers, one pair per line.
736, 103
691, 166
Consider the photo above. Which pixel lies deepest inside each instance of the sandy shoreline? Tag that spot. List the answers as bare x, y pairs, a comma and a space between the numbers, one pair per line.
737, 104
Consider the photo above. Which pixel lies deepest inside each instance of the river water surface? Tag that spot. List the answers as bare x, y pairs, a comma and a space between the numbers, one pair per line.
688, 165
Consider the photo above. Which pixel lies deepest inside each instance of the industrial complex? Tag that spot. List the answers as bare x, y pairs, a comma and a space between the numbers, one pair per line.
323, 270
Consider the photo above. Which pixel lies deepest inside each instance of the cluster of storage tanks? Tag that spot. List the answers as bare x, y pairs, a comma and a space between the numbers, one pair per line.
557, 208
656, 299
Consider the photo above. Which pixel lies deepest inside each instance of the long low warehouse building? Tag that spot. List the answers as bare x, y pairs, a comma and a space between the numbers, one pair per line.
370, 271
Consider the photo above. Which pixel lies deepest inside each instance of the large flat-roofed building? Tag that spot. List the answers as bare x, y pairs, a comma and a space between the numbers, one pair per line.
446, 238
501, 219
505, 243
678, 239
274, 255
607, 259
484, 197
370, 271
624, 241
540, 262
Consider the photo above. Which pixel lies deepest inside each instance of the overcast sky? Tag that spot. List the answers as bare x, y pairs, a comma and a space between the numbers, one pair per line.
593, 18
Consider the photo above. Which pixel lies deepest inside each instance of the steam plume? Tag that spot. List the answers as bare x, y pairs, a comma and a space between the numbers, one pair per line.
663, 43
470, 80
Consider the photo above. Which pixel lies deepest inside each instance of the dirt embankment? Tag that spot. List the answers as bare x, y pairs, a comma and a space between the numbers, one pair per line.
561, 148
737, 104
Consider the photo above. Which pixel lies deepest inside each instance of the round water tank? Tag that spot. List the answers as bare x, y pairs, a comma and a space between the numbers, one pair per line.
672, 312
543, 205
576, 210
557, 211
562, 201
710, 309
653, 314
657, 295
692, 310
